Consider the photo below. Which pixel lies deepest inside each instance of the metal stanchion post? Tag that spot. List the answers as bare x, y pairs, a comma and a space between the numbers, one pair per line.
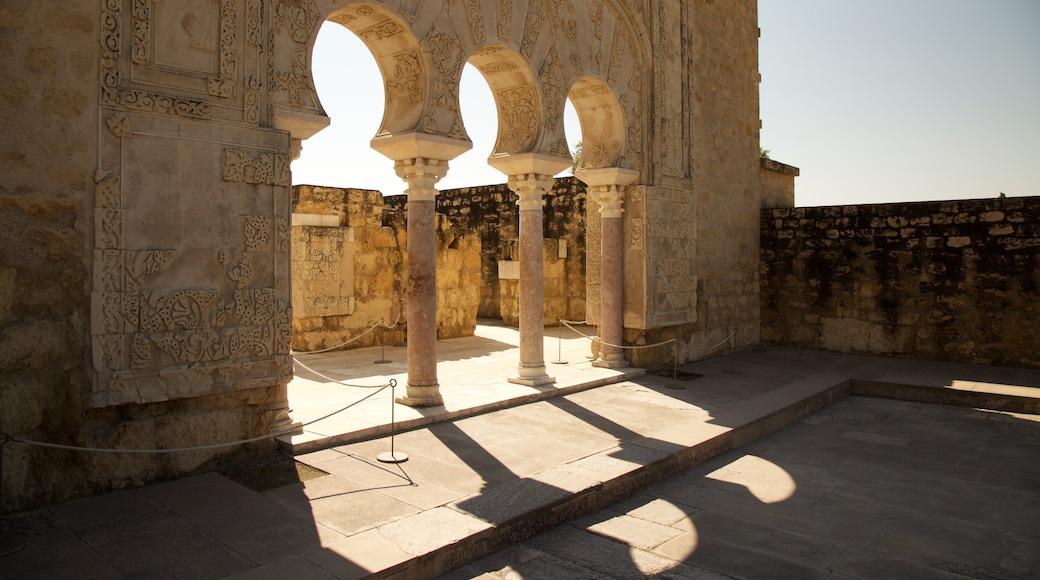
392, 456
9, 544
559, 343
382, 356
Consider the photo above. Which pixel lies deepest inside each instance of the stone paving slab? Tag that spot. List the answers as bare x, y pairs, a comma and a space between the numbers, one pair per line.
770, 510
790, 475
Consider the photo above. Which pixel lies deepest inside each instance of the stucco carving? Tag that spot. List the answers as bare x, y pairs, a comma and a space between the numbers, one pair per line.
520, 116
505, 19
299, 17
256, 167
551, 77
406, 76
533, 27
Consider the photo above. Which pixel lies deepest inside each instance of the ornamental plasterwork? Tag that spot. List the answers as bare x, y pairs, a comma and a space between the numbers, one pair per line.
520, 118
348, 17
299, 17
551, 77
505, 19
533, 27
256, 166
476, 20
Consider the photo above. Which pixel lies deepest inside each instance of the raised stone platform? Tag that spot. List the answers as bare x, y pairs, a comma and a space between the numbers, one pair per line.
479, 484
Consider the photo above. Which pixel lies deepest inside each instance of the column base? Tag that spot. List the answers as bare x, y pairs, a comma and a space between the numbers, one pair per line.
424, 396
610, 361
279, 421
532, 377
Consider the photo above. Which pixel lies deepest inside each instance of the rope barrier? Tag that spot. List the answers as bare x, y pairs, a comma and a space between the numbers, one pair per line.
391, 384
328, 378
629, 347
568, 324
382, 322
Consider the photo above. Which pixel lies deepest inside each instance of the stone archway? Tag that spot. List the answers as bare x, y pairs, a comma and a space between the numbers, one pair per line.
535, 51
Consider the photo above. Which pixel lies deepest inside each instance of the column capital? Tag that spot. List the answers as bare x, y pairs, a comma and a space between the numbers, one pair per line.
530, 188
610, 198
421, 174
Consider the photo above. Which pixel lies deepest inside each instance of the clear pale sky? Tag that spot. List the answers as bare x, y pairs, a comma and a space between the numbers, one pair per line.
875, 102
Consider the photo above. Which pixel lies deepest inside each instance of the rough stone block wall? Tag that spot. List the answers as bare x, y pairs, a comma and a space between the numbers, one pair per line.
954, 281
377, 237
490, 212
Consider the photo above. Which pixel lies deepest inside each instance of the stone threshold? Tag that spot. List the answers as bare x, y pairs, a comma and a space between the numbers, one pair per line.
294, 444
515, 512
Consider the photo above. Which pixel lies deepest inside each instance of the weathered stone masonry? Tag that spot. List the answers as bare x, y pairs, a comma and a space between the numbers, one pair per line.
490, 212
349, 270
956, 281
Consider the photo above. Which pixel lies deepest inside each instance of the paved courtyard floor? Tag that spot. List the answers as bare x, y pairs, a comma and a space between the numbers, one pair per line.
866, 488
765, 463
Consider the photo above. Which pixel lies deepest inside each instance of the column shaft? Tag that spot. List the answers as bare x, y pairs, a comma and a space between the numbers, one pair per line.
611, 309
421, 174
530, 188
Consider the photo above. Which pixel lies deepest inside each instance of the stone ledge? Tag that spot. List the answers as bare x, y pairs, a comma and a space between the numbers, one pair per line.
772, 165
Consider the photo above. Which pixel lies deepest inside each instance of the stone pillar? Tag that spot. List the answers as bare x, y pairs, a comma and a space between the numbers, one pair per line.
421, 160
607, 186
421, 175
530, 176
531, 188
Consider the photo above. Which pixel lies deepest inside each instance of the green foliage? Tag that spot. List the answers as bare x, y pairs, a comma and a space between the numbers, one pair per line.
576, 157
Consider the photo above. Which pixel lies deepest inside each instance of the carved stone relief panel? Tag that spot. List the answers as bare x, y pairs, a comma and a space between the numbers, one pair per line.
505, 19
189, 292
323, 271
446, 55
553, 93
593, 259
188, 58
519, 116
670, 257
635, 284
536, 17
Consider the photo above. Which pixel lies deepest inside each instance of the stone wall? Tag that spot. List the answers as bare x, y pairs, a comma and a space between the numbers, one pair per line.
955, 281
350, 270
777, 183
491, 213
701, 229
72, 247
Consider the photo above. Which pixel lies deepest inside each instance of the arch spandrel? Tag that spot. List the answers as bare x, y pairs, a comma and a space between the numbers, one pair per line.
603, 123
517, 98
421, 46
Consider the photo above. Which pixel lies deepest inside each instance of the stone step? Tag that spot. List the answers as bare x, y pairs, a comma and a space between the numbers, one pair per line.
467, 529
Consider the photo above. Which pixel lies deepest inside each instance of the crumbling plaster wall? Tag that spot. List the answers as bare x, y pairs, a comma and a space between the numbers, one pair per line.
955, 281
369, 286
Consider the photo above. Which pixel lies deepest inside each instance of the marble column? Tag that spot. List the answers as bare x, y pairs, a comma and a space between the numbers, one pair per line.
421, 160
607, 186
611, 299
530, 188
421, 175
530, 177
